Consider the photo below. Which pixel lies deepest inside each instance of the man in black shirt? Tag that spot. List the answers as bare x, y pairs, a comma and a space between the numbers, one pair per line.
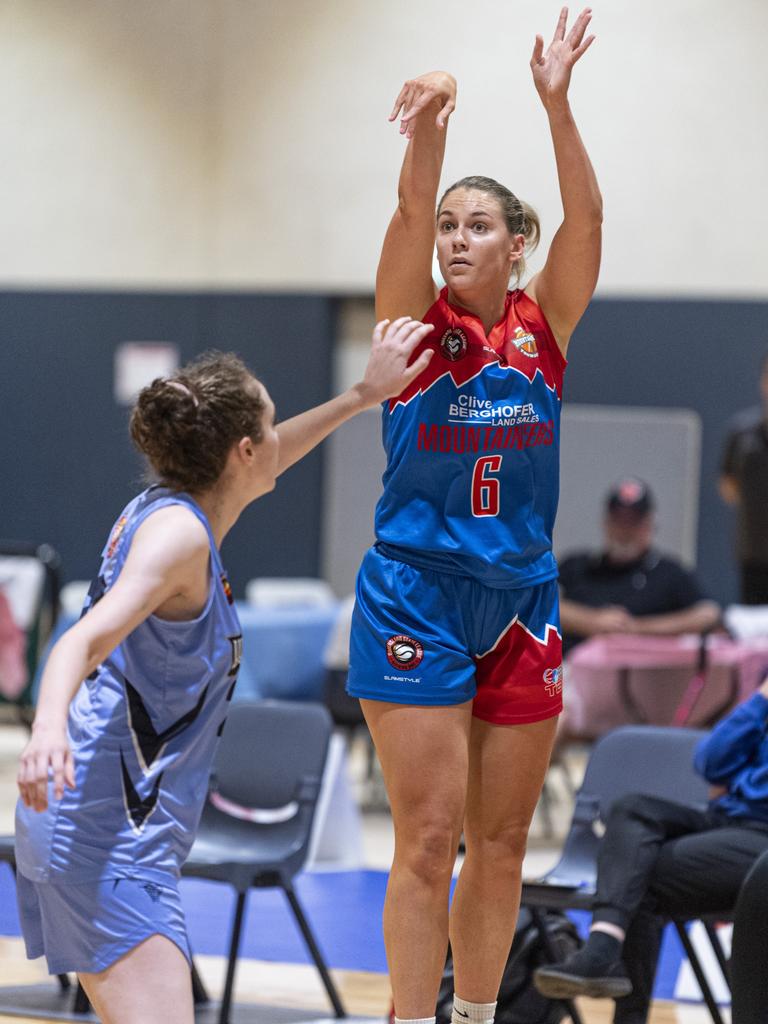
744, 483
629, 587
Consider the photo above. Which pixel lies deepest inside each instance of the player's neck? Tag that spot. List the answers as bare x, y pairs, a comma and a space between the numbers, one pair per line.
488, 308
222, 510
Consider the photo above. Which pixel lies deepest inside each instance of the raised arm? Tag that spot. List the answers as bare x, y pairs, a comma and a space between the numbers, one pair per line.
388, 372
565, 285
167, 561
404, 282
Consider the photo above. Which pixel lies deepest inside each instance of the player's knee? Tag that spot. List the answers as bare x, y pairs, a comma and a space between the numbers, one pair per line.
502, 850
429, 851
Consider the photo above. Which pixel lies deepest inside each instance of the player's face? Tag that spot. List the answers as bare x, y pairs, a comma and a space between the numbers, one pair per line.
268, 448
474, 247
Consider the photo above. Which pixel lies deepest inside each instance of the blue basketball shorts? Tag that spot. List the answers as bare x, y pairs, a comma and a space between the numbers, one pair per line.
428, 638
87, 926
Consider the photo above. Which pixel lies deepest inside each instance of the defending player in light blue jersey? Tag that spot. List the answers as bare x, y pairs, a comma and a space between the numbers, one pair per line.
135, 695
456, 648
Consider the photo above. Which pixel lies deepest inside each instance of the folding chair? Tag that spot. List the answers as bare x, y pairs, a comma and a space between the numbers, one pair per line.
256, 825
654, 761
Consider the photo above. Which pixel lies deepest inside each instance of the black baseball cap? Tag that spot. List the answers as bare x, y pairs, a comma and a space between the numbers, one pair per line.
631, 496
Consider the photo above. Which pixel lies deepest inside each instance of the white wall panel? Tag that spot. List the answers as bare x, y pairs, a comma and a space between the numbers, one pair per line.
244, 143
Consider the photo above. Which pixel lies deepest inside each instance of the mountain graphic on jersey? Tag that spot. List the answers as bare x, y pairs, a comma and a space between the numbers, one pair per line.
462, 351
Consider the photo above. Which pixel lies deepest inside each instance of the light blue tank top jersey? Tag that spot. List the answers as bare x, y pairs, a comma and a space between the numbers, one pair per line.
143, 730
471, 484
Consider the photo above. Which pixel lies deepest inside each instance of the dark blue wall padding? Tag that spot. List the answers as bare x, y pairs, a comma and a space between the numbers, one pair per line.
693, 354
66, 462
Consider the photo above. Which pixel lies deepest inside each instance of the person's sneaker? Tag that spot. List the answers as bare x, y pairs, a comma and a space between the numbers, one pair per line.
582, 975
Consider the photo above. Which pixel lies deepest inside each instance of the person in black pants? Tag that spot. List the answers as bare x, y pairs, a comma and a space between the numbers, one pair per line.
749, 955
659, 859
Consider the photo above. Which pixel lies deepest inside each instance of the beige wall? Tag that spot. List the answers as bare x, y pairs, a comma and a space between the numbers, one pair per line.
239, 143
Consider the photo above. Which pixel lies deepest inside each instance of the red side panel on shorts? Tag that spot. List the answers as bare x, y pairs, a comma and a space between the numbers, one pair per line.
521, 678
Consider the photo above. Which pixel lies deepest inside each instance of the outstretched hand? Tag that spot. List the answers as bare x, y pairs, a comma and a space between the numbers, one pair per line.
418, 93
388, 371
552, 70
47, 750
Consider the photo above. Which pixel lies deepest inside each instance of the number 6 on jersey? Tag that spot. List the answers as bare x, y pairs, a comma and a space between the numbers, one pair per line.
485, 488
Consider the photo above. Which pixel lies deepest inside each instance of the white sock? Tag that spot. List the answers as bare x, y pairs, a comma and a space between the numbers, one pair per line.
475, 1013
415, 1020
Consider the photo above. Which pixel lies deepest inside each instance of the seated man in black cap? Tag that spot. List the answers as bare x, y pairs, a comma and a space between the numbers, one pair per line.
629, 587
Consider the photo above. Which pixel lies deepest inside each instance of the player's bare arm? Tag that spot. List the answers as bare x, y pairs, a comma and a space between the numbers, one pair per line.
163, 573
565, 285
404, 282
389, 371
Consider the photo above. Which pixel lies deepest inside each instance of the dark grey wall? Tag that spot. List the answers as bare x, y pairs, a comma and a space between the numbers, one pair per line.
66, 463
67, 467
698, 355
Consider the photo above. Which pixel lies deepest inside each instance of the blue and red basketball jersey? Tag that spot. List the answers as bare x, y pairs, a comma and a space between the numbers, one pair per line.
471, 484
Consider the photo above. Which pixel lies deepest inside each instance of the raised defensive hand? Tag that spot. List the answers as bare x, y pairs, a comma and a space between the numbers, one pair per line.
417, 94
389, 370
552, 70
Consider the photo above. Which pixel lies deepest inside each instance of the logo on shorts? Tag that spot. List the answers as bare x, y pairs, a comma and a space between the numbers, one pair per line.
553, 681
153, 891
404, 652
453, 345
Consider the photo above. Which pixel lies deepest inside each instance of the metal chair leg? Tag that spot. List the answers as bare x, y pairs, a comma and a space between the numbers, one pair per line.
545, 807
81, 1003
199, 992
314, 950
718, 950
549, 949
693, 959
234, 947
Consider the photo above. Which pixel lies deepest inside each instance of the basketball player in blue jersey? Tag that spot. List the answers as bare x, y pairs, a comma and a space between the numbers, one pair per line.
135, 695
455, 650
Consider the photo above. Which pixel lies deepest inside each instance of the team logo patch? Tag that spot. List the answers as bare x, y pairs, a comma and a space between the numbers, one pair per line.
525, 343
117, 533
453, 345
404, 652
553, 680
227, 588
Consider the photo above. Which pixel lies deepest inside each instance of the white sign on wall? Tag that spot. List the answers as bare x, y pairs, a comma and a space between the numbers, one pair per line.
137, 363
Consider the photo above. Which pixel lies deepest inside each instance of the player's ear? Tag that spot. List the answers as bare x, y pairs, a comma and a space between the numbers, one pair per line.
245, 449
517, 248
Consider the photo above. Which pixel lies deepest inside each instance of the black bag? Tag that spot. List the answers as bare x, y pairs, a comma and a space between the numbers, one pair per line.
518, 1001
